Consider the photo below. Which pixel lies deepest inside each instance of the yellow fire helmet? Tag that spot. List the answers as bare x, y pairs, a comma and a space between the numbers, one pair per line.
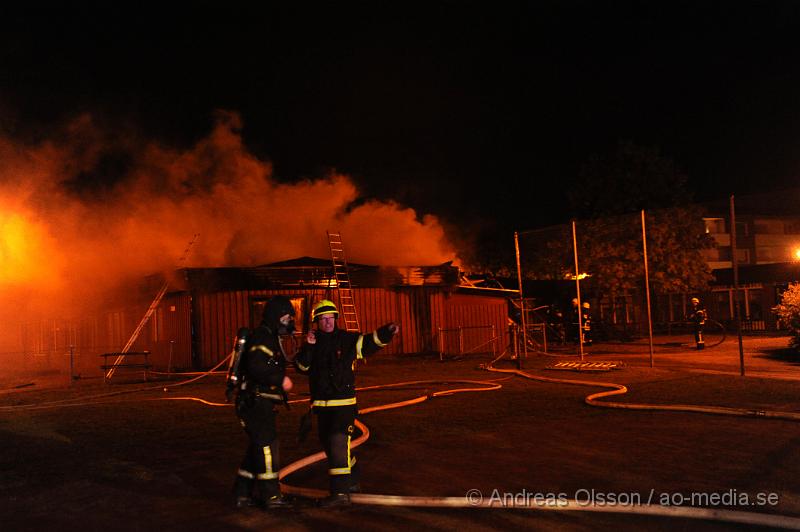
324, 306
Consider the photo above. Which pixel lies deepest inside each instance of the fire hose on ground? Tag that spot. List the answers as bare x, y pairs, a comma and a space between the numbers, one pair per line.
714, 514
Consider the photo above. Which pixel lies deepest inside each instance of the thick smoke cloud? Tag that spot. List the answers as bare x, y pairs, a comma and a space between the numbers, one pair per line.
91, 209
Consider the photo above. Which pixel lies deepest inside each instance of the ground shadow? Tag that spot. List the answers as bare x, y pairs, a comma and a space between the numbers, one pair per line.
785, 354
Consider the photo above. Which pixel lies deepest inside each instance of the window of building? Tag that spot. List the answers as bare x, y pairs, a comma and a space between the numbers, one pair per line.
723, 254
722, 305
743, 256
678, 310
770, 253
625, 309
767, 227
661, 308
754, 305
715, 226
299, 303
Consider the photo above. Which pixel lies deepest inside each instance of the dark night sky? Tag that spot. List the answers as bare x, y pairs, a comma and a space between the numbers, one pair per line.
470, 110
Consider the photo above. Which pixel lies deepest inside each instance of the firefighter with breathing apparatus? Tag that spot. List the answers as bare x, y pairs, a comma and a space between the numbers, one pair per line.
698, 317
329, 357
257, 376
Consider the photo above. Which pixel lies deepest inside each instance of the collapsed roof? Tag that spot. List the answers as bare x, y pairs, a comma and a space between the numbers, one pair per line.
313, 272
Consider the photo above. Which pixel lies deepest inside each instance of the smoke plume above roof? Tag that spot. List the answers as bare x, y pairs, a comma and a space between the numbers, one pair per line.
88, 209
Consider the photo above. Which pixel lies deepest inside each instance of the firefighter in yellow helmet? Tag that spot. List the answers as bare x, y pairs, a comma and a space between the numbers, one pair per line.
329, 357
697, 317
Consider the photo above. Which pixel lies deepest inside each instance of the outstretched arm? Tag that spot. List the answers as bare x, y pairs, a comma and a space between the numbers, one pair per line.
369, 343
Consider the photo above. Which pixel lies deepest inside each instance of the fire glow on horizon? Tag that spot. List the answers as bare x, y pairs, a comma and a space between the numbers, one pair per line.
61, 245
21, 250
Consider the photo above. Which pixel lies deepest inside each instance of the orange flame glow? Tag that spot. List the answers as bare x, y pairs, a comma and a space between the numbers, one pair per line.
62, 245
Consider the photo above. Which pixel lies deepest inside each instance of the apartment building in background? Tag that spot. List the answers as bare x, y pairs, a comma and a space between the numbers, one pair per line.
767, 255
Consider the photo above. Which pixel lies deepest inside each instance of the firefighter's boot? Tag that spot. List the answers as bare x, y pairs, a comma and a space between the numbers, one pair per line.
270, 495
243, 491
335, 500
278, 501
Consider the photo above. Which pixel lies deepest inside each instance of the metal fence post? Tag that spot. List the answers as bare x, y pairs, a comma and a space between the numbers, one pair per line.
169, 364
71, 363
544, 336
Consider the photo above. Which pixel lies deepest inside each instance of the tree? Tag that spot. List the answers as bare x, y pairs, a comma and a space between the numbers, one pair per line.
629, 180
789, 313
607, 199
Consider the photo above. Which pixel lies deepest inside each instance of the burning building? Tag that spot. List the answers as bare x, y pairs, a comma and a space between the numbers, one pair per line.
88, 214
194, 325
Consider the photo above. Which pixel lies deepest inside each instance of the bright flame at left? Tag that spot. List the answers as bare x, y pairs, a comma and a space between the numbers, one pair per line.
22, 251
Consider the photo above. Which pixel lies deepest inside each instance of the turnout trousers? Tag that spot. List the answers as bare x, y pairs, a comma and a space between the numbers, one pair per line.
261, 461
336, 425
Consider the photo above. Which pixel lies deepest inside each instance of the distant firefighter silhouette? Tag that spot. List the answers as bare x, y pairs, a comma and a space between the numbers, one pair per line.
581, 329
586, 323
697, 317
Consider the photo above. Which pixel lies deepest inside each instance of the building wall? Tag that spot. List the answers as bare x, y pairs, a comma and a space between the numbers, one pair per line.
467, 324
170, 332
420, 312
760, 240
755, 303
198, 330
217, 316
49, 344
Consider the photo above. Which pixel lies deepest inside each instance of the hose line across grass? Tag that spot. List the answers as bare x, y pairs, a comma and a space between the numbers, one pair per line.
712, 514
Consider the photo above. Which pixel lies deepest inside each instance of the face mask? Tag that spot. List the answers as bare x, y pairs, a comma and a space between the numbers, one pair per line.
286, 325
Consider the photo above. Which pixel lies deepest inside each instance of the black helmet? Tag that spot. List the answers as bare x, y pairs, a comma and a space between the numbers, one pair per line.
325, 306
276, 307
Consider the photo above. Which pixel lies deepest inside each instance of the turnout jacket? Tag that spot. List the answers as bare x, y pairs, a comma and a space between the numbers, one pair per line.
264, 365
330, 363
698, 316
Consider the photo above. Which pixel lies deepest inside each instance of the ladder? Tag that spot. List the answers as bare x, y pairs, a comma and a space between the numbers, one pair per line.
148, 314
347, 305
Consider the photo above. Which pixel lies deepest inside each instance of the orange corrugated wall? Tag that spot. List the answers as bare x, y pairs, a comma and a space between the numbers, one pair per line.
420, 311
